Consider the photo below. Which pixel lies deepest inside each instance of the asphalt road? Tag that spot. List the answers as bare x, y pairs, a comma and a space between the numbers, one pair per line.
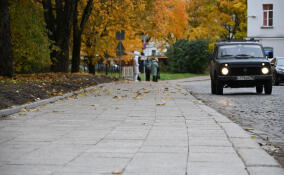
261, 115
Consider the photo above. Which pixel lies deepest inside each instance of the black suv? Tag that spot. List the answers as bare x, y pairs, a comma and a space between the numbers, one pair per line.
238, 64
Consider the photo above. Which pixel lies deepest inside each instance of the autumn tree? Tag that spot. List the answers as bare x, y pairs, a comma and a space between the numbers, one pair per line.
59, 19
235, 11
216, 19
6, 52
106, 19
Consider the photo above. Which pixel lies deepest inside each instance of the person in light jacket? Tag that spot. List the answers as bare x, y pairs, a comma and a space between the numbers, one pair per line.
136, 68
154, 69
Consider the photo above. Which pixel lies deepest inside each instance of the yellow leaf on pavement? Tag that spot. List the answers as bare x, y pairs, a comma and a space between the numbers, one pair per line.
116, 172
24, 110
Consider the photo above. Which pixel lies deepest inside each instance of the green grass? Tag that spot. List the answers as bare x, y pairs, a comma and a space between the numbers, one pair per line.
163, 76
174, 76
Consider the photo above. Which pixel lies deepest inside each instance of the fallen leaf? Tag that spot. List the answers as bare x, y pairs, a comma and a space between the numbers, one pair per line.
55, 111
248, 129
24, 110
22, 114
117, 108
253, 137
4, 115
167, 98
117, 172
273, 148
33, 110
161, 104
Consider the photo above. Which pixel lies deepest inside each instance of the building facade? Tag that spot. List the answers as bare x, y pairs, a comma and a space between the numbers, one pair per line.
265, 22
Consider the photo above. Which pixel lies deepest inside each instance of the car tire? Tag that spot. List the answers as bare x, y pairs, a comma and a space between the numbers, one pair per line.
259, 88
219, 88
268, 87
213, 87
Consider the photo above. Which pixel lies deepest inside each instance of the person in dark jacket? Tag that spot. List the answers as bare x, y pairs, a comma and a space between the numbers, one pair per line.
147, 65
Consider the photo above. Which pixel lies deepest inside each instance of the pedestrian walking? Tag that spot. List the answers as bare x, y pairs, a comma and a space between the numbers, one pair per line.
154, 69
147, 65
136, 68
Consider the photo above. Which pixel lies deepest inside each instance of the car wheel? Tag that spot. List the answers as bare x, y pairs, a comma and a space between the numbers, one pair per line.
219, 88
268, 87
213, 87
259, 88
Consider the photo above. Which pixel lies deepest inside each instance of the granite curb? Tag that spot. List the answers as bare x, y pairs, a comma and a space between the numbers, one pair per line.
17, 109
253, 156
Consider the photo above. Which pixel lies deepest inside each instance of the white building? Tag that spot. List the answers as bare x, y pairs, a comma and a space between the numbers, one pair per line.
265, 22
152, 49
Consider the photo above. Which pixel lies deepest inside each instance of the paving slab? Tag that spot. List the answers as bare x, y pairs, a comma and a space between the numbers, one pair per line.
163, 131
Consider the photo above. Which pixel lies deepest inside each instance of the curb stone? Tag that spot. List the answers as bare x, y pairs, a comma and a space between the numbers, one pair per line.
253, 156
17, 109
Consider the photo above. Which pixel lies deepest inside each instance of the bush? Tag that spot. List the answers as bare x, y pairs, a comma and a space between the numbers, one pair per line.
188, 57
29, 37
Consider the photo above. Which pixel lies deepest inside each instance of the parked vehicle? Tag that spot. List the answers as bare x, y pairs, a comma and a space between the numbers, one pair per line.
278, 70
239, 64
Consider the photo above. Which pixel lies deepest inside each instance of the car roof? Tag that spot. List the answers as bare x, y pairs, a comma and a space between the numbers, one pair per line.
220, 43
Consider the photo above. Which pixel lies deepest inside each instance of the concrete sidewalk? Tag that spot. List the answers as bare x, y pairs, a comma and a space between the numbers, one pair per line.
129, 128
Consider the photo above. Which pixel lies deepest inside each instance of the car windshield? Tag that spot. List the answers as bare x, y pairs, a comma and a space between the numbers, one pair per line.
240, 51
280, 62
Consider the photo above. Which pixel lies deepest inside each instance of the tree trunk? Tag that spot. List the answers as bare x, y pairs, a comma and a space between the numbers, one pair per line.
76, 43
76, 52
77, 34
59, 20
6, 51
91, 66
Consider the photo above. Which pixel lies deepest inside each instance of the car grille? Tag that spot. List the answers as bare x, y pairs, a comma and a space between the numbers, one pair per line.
245, 71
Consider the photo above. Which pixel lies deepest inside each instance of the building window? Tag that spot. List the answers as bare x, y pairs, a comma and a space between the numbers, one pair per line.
267, 15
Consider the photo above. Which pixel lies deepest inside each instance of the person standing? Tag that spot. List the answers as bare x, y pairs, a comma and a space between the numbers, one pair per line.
154, 69
147, 65
136, 68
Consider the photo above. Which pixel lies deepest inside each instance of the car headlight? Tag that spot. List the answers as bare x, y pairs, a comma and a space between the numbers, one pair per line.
225, 71
265, 70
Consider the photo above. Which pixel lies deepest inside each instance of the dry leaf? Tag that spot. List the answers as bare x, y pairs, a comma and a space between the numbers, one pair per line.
117, 172
167, 98
117, 108
248, 129
22, 114
273, 148
253, 137
55, 111
24, 110
33, 110
162, 104
4, 115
